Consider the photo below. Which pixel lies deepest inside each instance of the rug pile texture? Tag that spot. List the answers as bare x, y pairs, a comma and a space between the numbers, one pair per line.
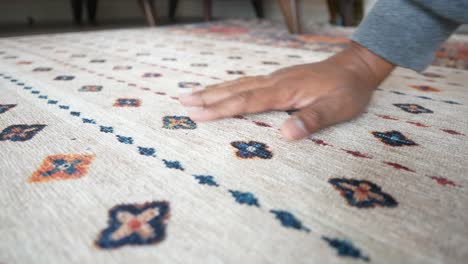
319, 37
99, 162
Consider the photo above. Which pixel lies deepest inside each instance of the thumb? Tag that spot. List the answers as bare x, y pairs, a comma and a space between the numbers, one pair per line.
312, 118
302, 124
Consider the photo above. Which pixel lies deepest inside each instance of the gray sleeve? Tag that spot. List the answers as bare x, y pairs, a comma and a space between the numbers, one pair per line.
408, 32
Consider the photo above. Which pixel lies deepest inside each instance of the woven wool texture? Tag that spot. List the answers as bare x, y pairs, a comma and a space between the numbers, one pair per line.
99, 163
322, 37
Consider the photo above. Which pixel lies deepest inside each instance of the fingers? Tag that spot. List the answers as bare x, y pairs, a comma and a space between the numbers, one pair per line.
317, 116
216, 93
232, 82
250, 101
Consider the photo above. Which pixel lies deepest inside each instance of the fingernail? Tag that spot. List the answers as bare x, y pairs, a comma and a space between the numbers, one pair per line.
197, 89
300, 125
294, 129
187, 99
195, 111
185, 95
184, 92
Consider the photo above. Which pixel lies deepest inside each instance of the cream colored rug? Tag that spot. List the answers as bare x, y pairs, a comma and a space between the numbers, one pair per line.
99, 163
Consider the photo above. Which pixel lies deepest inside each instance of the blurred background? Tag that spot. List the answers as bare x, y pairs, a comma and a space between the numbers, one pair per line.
20, 17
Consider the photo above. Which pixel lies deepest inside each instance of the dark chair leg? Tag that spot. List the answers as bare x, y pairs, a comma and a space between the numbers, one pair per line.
172, 9
258, 6
91, 5
332, 11
148, 9
77, 6
346, 9
291, 15
208, 12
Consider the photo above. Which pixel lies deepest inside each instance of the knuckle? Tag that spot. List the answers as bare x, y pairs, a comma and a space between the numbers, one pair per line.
248, 78
282, 83
243, 79
261, 77
244, 97
211, 87
243, 102
219, 111
312, 120
251, 79
353, 103
286, 96
203, 98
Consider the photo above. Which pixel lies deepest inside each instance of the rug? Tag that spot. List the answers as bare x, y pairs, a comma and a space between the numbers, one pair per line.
318, 37
99, 162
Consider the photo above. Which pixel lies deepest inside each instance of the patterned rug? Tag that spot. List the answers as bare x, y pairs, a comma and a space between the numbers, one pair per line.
100, 164
319, 37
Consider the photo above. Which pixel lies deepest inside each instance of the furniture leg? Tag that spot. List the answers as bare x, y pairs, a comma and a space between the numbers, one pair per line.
208, 11
346, 8
77, 6
291, 15
258, 7
172, 9
148, 9
332, 10
91, 6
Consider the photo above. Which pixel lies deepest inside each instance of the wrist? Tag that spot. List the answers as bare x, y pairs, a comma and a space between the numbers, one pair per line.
365, 64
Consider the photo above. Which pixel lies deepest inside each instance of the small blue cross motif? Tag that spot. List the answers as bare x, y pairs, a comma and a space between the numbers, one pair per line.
289, 220
173, 165
106, 129
127, 102
345, 248
245, 198
206, 179
150, 152
125, 140
64, 78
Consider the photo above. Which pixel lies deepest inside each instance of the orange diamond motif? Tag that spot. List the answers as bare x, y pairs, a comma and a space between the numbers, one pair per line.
62, 167
424, 88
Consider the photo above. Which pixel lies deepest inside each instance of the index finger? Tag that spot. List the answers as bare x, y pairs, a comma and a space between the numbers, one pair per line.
215, 93
251, 101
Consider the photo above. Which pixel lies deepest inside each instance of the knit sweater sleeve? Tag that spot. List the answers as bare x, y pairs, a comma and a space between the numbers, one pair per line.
408, 32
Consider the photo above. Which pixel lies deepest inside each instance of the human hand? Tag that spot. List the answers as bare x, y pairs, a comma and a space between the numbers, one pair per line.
324, 93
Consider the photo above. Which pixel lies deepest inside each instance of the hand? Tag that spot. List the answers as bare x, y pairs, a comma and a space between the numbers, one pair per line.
325, 93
